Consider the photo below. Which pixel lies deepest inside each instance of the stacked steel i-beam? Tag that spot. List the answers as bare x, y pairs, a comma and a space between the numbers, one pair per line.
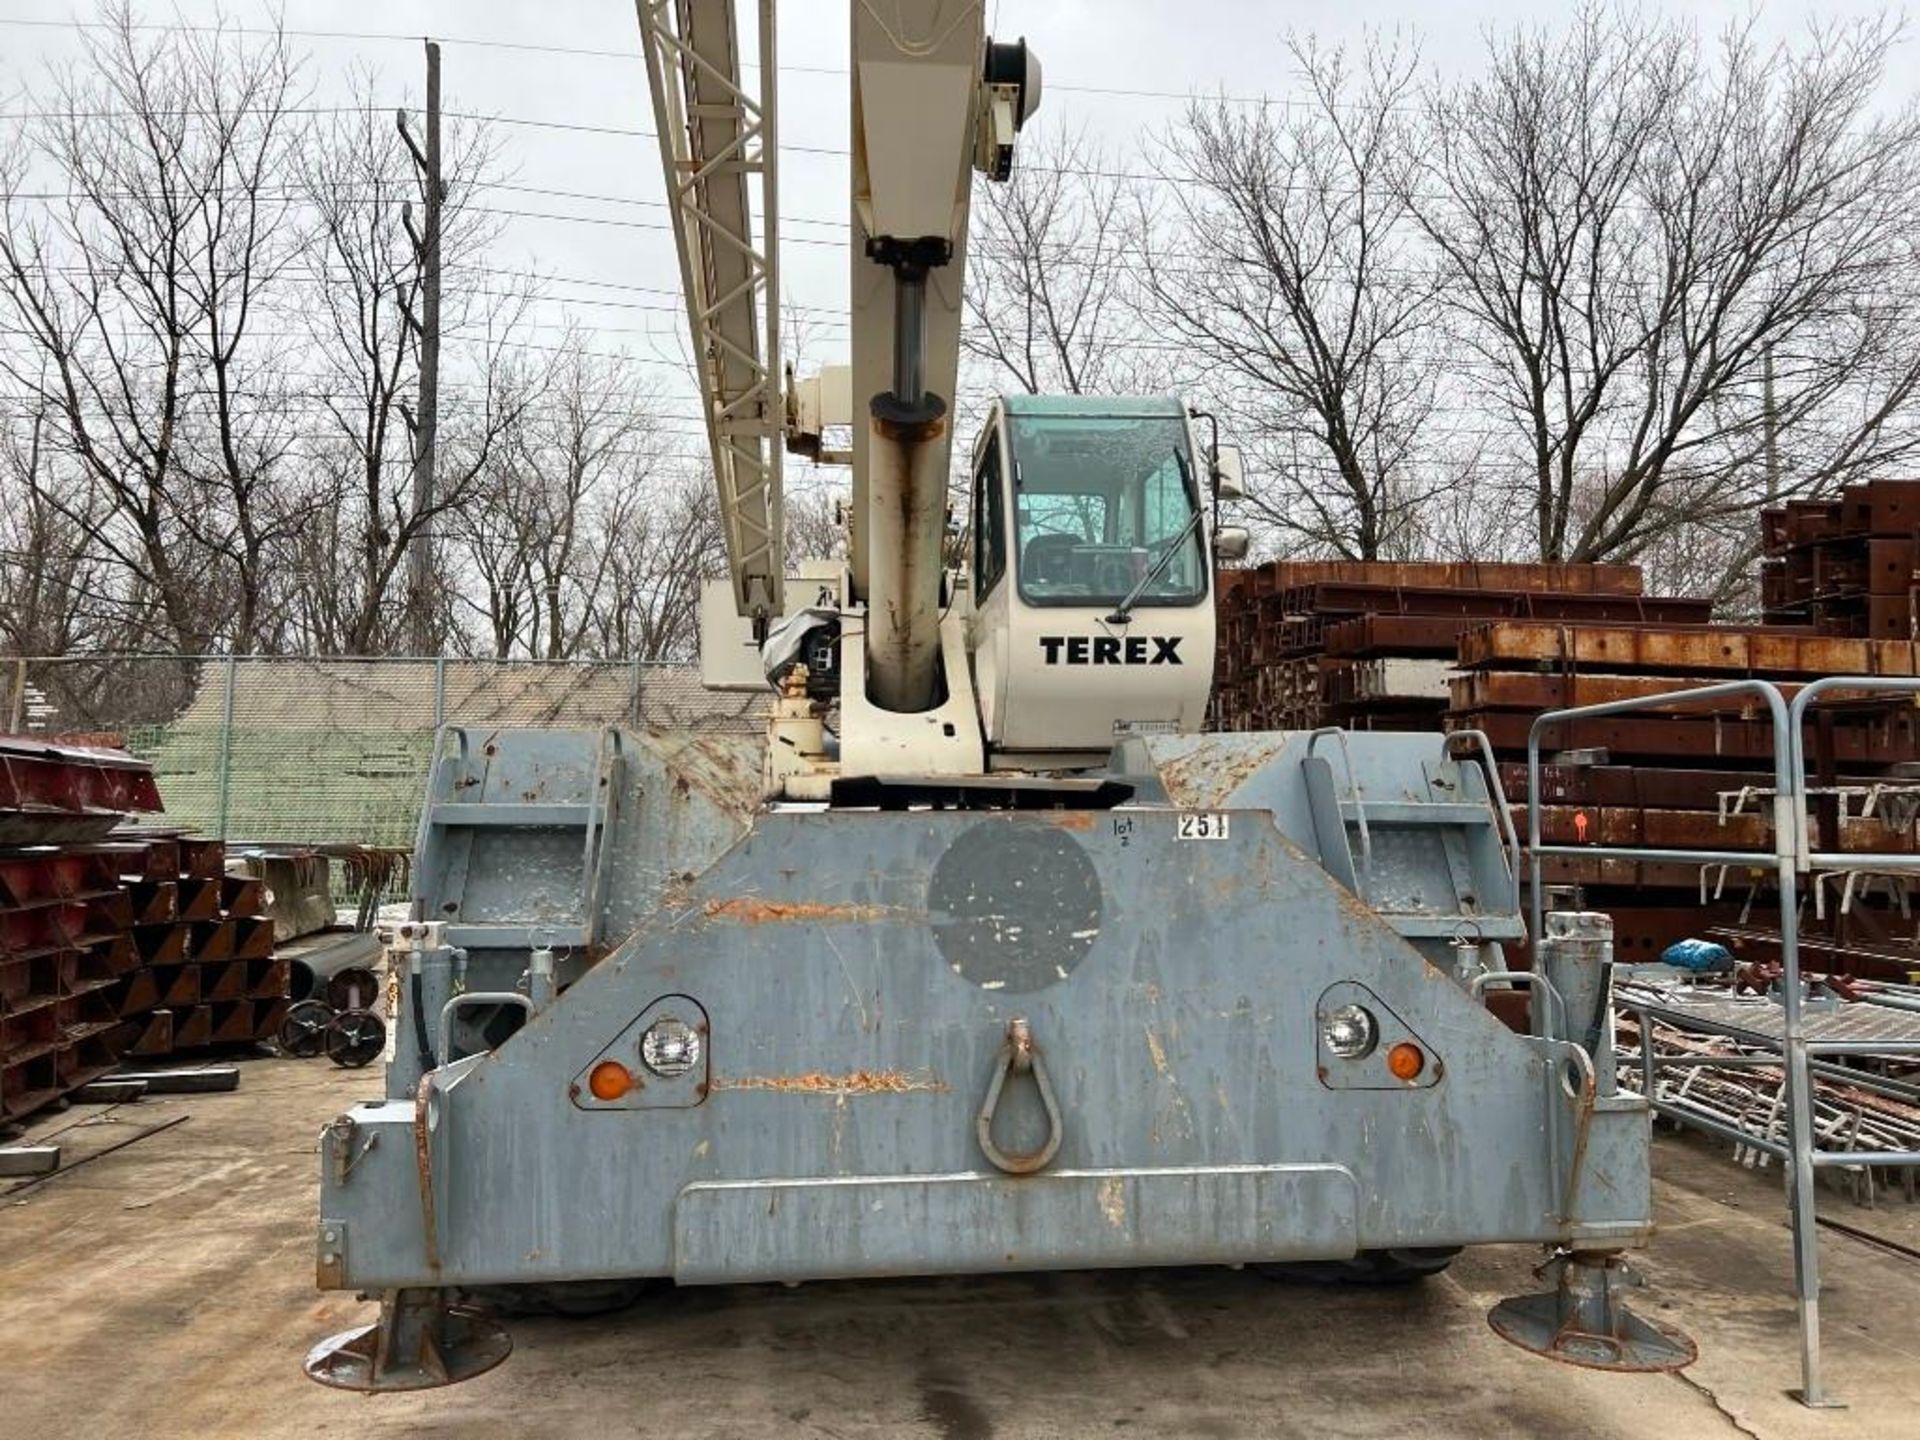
1845, 566
207, 973
1490, 647
115, 943
65, 918
1370, 645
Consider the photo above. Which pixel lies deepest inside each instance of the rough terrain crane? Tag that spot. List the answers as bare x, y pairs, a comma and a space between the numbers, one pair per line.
985, 958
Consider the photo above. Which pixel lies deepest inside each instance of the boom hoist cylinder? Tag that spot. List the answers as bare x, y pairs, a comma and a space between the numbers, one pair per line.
906, 464
933, 100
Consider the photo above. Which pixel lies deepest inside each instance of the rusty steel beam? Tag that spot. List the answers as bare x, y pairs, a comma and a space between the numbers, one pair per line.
1669, 789
1646, 875
1684, 650
1334, 599
1525, 690
1881, 507
1415, 636
52, 794
1447, 575
1799, 522
1662, 829
1869, 742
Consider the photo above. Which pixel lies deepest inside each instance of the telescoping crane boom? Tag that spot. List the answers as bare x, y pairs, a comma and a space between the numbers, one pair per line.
985, 958
929, 672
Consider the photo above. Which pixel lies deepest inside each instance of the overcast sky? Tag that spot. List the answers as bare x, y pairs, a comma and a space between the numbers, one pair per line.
1157, 53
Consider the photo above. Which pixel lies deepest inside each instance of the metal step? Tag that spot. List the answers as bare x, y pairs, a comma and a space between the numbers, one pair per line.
521, 765
1446, 927
1418, 812
519, 935
544, 817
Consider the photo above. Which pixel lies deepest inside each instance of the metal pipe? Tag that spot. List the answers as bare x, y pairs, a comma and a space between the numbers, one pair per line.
1861, 1079
1884, 1159
1878, 864
1863, 1047
1530, 978
1688, 1114
906, 518
472, 998
225, 778
1755, 858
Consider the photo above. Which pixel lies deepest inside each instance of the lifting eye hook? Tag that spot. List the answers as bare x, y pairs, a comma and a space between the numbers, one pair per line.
1019, 1055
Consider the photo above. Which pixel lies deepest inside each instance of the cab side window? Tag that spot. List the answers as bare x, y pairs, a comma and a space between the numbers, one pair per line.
989, 522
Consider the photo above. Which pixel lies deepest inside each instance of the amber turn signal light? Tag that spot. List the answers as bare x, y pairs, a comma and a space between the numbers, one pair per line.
1405, 1060
610, 1080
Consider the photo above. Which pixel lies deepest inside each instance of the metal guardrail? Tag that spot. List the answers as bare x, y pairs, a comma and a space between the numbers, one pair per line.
1792, 856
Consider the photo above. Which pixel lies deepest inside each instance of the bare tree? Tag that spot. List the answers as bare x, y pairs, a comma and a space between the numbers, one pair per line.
58, 590
136, 290
1635, 230
657, 552
1050, 304
558, 503
364, 283
1285, 259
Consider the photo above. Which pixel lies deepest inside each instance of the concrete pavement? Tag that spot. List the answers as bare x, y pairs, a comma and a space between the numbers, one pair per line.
166, 1290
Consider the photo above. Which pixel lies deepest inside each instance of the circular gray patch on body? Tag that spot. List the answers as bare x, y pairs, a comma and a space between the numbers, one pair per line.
1014, 906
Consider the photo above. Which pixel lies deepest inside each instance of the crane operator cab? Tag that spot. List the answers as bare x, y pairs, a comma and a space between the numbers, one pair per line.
1091, 556
1085, 613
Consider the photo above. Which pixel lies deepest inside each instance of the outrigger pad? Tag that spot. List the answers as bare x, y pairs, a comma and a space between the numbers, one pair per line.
419, 1342
1583, 1320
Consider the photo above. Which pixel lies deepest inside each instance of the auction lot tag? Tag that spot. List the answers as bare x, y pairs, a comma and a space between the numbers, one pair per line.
1200, 825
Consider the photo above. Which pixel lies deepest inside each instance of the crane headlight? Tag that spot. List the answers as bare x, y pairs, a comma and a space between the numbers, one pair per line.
1350, 1032
670, 1047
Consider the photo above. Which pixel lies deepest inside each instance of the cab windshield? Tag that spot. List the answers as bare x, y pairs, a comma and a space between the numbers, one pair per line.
1098, 501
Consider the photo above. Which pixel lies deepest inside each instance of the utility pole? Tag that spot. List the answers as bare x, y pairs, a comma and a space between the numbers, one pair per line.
425, 423
1772, 421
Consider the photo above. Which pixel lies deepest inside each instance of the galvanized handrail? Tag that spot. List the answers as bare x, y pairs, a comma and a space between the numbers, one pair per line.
1496, 794
1787, 797
1797, 768
1793, 855
1353, 784
443, 1056
1777, 709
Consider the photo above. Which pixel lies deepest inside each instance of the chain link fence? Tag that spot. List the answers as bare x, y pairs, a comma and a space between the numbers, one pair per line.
303, 750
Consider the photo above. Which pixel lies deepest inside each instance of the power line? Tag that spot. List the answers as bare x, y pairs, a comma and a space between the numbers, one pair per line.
588, 52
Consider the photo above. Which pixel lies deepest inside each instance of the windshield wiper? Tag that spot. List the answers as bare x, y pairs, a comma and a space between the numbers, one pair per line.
1123, 612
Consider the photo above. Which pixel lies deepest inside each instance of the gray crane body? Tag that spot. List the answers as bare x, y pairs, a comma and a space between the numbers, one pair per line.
978, 962
859, 981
